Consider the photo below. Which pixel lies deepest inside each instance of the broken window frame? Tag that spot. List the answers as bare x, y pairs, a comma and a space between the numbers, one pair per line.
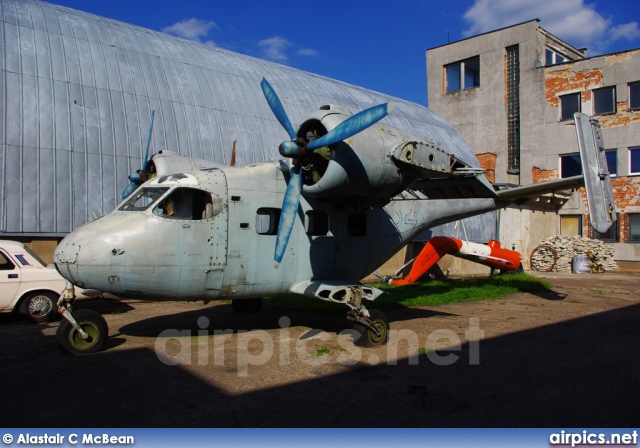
467, 75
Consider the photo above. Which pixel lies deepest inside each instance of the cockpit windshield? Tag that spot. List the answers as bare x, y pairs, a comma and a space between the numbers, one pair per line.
143, 199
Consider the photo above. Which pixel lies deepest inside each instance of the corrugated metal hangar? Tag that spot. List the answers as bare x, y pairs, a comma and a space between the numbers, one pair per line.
77, 91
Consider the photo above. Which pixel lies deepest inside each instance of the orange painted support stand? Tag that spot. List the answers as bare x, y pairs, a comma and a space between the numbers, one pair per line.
490, 254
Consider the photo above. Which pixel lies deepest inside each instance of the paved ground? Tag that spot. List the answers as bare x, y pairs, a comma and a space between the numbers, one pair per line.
568, 358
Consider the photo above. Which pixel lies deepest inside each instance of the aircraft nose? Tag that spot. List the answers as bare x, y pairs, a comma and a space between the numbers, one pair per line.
84, 257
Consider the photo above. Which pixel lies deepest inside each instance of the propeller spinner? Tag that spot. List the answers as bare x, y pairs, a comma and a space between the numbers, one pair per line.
297, 148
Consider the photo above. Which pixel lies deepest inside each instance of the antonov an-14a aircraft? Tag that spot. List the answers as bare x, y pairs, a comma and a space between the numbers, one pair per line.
353, 195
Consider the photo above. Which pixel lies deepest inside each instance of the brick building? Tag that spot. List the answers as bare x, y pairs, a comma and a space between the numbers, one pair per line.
512, 94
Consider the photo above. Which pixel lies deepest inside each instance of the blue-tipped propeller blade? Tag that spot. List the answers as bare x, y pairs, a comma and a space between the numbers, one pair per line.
277, 108
130, 189
352, 125
343, 131
288, 213
146, 153
134, 178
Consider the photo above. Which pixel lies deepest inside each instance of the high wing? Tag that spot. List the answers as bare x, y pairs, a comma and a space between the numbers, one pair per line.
441, 176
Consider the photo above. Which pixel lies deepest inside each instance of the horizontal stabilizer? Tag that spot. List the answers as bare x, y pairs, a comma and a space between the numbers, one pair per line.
533, 190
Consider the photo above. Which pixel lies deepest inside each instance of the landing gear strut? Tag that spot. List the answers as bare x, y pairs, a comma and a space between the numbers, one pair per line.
370, 331
82, 332
371, 326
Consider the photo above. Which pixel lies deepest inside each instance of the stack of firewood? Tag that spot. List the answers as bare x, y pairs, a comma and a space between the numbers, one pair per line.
564, 248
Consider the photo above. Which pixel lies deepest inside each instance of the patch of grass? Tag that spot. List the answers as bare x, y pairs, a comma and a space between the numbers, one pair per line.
597, 291
322, 351
430, 293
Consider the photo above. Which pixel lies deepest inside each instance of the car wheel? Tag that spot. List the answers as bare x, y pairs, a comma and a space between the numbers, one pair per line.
39, 307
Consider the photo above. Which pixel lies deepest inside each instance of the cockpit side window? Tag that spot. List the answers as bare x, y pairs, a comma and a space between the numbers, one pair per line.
143, 199
189, 203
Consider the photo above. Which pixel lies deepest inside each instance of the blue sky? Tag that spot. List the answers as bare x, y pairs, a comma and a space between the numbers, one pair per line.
379, 45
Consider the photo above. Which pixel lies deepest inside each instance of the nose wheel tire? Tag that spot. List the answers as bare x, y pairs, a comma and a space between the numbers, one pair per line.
366, 337
71, 341
39, 307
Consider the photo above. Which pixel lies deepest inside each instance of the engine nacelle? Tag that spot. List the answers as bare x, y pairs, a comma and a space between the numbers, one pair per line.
360, 172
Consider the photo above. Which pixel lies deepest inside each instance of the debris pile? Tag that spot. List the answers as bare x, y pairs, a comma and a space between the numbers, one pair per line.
555, 254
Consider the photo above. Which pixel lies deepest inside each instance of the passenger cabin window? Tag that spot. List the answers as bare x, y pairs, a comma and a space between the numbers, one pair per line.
357, 224
267, 220
604, 101
143, 199
570, 165
463, 74
316, 223
569, 105
634, 95
188, 203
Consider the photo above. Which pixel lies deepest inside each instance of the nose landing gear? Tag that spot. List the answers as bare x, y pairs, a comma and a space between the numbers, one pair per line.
81, 332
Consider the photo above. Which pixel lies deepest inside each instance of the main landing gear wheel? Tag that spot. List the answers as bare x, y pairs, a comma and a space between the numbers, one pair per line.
246, 306
71, 341
368, 337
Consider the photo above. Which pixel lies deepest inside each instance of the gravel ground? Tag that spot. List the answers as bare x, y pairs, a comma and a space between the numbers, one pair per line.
566, 358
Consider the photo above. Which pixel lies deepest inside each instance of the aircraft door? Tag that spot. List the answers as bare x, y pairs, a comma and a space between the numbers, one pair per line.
194, 220
218, 262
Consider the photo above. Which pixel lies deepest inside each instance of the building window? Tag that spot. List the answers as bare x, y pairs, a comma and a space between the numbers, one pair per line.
612, 161
634, 95
570, 165
634, 160
463, 75
633, 224
267, 220
513, 107
569, 105
604, 101
553, 57
571, 225
612, 235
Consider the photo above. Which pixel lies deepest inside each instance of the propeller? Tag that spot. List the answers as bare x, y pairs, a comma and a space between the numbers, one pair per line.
298, 148
135, 179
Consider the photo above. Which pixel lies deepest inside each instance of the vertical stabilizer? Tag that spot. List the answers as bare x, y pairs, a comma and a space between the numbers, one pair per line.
597, 180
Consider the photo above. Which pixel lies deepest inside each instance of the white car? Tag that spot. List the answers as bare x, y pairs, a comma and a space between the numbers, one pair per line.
27, 283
